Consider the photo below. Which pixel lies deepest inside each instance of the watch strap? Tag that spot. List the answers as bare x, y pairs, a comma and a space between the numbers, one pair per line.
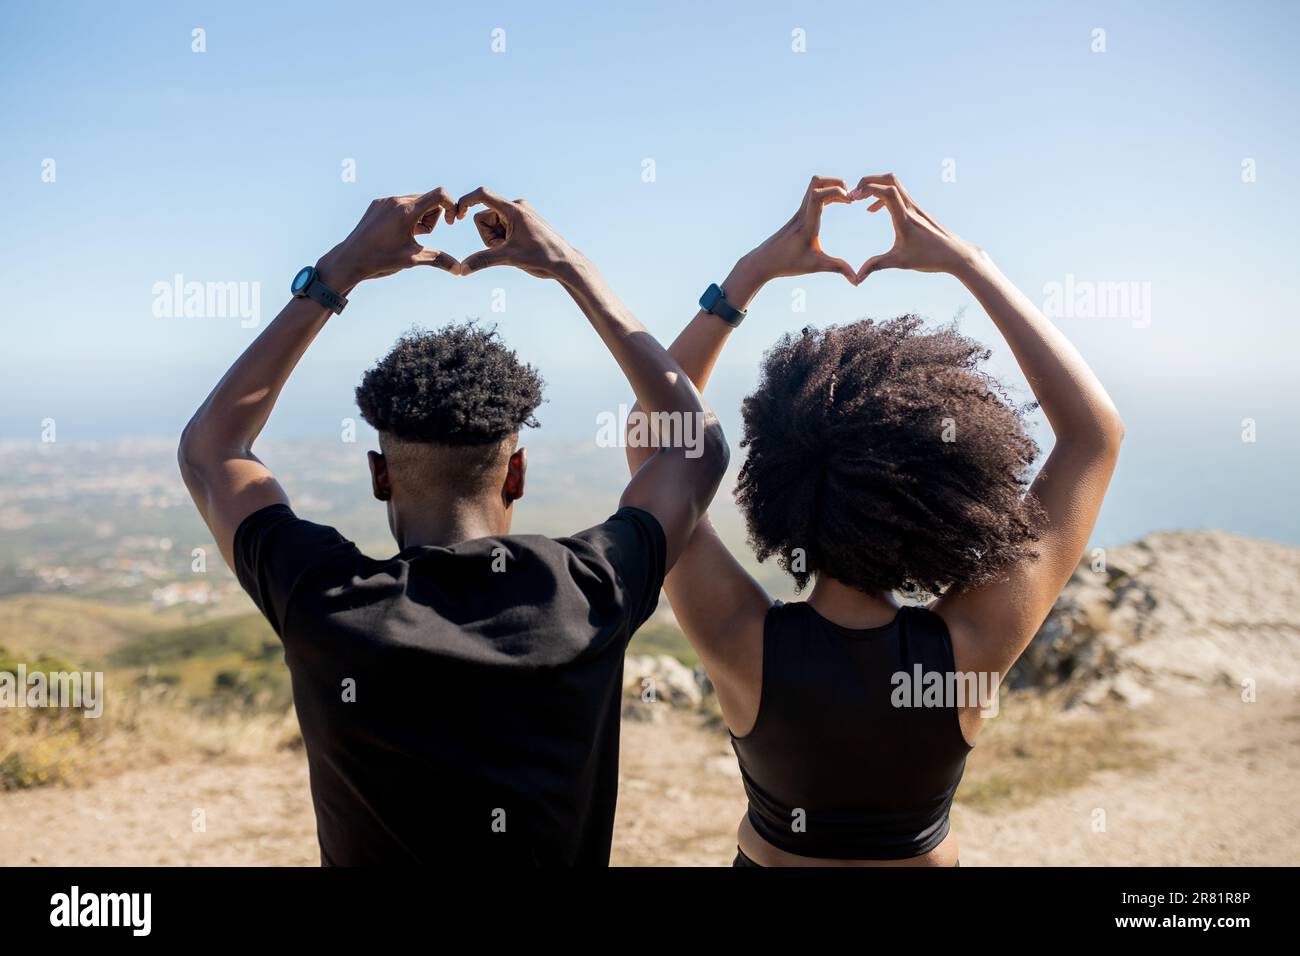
326, 296
714, 301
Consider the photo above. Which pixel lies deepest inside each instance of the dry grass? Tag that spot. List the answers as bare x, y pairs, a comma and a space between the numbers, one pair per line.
139, 727
1035, 748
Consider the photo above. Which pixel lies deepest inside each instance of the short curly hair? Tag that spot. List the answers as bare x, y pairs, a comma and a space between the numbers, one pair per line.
888, 457
460, 385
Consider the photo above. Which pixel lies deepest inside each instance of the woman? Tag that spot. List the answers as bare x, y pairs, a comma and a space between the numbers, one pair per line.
881, 459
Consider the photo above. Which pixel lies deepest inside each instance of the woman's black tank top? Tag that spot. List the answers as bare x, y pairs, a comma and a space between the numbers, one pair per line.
847, 759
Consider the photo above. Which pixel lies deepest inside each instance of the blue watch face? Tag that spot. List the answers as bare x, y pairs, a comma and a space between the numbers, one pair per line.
301, 279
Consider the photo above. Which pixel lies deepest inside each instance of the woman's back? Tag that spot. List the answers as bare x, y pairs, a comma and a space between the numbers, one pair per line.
882, 458
848, 758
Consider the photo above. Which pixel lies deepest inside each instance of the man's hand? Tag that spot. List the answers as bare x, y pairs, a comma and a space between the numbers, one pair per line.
515, 236
678, 479
795, 249
920, 243
383, 242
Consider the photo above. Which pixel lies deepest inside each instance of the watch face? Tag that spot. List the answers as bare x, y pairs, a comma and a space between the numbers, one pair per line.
301, 279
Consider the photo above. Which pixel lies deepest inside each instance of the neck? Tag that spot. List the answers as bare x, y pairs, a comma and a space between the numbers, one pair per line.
447, 523
849, 607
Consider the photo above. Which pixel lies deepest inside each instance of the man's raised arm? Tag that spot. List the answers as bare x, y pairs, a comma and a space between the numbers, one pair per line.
216, 458
679, 480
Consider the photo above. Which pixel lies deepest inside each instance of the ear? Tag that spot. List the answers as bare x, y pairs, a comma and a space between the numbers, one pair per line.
379, 476
513, 488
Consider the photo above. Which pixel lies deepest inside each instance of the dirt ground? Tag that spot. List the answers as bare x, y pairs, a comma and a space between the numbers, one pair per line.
1221, 792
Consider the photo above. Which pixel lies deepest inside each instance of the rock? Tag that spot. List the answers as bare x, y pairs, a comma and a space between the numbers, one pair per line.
642, 712
1127, 690
1177, 612
660, 678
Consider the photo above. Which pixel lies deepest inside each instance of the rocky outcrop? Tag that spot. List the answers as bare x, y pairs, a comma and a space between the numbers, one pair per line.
1176, 612
1179, 611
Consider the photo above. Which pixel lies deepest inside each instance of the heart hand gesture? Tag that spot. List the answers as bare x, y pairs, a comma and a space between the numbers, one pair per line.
795, 249
920, 243
515, 236
383, 242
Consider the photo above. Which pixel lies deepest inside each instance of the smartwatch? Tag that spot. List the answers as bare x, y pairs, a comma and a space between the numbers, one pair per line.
714, 301
307, 285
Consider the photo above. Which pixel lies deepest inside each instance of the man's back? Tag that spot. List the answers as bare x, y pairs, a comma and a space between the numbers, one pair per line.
458, 704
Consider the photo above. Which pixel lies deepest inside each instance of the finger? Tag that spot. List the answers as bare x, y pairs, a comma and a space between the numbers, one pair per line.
491, 227
816, 184
496, 256
482, 197
875, 179
821, 182
436, 258
883, 261
889, 179
424, 225
892, 199
833, 264
892, 180
885, 179
435, 199
825, 194
819, 197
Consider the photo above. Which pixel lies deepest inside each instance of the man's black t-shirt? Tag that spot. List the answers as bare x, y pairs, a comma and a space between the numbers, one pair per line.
458, 704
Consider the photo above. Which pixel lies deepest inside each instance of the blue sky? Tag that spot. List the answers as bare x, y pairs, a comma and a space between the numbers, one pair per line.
224, 166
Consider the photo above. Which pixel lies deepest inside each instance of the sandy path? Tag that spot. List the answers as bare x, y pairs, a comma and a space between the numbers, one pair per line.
1222, 794
254, 814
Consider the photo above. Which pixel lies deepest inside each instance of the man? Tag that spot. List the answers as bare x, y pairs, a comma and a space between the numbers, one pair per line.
460, 700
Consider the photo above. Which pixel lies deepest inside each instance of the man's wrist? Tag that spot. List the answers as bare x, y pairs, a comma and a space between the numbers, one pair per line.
337, 272
575, 272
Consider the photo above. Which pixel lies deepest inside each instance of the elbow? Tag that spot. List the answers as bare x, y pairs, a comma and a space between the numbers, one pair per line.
1117, 429
1101, 438
714, 450
185, 459
1097, 433
189, 449
1112, 429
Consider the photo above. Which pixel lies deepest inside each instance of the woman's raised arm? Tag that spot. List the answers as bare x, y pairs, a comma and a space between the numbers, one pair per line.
720, 607
993, 623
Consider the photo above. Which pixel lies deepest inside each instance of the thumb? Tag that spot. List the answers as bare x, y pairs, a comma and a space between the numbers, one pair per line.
883, 261
484, 260
435, 258
832, 264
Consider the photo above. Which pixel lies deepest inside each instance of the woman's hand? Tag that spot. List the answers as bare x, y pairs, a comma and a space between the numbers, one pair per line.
795, 249
920, 243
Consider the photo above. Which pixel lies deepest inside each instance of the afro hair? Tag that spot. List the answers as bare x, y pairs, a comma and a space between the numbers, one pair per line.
881, 455
460, 385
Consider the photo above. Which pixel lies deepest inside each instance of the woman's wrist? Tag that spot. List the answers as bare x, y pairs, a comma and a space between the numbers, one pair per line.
972, 262
744, 281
